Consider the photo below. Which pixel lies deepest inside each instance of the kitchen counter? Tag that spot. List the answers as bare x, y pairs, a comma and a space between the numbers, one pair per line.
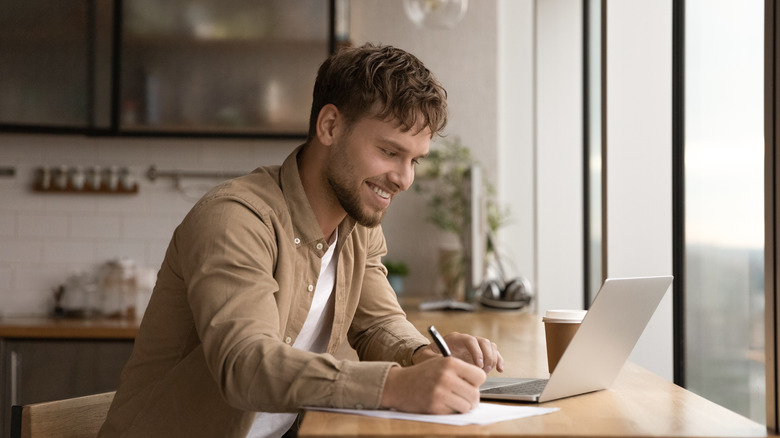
66, 328
43, 359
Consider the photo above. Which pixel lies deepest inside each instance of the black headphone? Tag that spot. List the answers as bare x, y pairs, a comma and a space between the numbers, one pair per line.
513, 294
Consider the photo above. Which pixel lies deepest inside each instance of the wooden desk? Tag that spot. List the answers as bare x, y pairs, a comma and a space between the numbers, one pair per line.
640, 403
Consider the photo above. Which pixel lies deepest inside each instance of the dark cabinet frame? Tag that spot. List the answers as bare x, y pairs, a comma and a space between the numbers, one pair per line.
113, 128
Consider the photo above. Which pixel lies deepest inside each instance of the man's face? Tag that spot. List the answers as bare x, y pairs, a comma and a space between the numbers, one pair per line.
371, 164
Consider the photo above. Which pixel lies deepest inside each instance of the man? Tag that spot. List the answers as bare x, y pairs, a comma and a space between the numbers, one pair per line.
270, 272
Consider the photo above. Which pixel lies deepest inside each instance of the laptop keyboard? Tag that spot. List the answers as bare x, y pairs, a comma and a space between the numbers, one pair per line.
530, 387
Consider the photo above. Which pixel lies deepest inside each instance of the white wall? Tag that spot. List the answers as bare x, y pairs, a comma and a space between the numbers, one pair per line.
559, 154
639, 160
516, 149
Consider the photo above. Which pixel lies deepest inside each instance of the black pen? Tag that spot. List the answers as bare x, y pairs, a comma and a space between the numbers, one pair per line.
445, 350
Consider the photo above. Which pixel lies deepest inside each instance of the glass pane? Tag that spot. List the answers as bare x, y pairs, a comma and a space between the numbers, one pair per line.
724, 290
43, 54
221, 65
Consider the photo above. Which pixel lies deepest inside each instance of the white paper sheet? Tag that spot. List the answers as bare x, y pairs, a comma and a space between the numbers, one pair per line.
485, 413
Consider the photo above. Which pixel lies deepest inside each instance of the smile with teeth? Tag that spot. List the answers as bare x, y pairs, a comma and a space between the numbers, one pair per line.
380, 192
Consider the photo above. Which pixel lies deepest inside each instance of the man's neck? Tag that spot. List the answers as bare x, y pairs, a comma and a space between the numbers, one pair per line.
327, 210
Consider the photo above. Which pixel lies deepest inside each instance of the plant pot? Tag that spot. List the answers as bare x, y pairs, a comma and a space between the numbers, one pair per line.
397, 283
451, 272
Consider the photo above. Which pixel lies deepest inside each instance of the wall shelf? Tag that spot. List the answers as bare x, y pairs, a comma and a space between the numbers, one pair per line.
88, 190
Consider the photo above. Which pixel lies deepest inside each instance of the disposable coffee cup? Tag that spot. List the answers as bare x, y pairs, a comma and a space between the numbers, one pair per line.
559, 328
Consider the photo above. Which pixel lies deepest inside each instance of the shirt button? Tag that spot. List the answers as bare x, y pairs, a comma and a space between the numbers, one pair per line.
297, 241
319, 246
310, 288
287, 340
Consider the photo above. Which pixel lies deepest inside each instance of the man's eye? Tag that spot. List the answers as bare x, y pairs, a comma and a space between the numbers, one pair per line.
416, 161
388, 152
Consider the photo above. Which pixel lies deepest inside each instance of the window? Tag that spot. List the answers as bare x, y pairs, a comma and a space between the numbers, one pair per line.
724, 203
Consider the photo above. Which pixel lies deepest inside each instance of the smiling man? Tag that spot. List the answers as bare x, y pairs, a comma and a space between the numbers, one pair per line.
271, 272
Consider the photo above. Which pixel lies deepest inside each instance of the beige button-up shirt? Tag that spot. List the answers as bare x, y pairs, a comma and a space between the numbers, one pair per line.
233, 292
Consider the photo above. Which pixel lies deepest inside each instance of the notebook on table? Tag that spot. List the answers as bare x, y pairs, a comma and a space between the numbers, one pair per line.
600, 347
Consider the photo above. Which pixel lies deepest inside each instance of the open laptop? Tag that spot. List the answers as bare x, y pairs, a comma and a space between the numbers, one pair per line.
600, 347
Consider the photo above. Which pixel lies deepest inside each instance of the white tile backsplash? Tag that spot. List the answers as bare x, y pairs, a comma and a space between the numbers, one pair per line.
86, 226
124, 204
21, 150
38, 224
21, 250
133, 153
5, 278
147, 227
54, 203
111, 249
69, 251
18, 302
45, 237
33, 278
71, 152
19, 197
7, 224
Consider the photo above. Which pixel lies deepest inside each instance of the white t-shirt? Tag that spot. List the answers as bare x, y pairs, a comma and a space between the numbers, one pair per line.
313, 337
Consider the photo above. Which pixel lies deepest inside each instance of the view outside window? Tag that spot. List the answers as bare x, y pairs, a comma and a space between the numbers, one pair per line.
724, 209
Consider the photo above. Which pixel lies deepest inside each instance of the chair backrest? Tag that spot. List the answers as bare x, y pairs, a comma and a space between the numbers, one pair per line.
79, 417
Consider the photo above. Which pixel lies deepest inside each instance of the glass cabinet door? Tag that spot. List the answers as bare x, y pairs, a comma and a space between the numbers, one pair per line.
44, 63
227, 66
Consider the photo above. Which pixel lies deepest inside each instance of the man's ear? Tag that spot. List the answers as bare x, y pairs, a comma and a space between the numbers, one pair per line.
329, 123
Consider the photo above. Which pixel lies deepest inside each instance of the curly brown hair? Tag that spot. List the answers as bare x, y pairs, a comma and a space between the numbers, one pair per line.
355, 79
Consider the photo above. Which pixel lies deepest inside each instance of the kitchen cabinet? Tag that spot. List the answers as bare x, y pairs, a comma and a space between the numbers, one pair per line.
46, 53
179, 67
55, 359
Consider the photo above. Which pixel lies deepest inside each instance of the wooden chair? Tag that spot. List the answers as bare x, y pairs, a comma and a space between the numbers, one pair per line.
79, 417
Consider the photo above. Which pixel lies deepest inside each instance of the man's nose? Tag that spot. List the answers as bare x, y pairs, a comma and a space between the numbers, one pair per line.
403, 176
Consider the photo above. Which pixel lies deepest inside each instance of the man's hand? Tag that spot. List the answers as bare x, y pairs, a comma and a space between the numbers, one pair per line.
477, 351
442, 385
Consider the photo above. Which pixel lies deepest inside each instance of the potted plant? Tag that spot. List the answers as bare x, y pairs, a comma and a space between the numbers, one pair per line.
442, 178
396, 271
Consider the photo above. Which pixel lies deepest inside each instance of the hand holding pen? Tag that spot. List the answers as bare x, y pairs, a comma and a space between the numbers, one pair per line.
434, 384
443, 347
478, 351
438, 383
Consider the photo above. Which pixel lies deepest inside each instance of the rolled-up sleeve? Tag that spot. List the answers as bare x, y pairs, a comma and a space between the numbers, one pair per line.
380, 330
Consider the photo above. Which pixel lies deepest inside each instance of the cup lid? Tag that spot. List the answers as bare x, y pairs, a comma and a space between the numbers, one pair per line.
565, 315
